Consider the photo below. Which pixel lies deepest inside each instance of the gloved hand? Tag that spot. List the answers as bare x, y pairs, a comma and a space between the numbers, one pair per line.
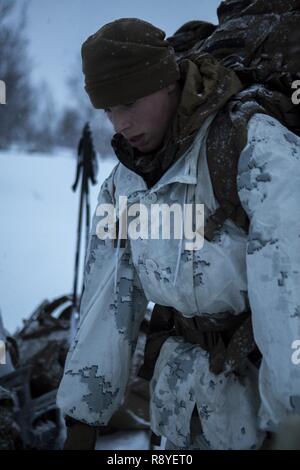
80, 436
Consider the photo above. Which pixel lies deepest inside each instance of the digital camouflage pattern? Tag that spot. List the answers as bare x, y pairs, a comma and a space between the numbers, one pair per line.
214, 279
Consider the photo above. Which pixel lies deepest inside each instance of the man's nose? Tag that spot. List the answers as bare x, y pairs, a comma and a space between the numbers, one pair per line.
121, 122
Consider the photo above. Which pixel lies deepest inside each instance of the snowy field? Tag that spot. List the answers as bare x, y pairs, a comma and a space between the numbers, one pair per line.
38, 212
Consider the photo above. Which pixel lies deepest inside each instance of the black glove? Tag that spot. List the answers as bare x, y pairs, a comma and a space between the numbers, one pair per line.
80, 436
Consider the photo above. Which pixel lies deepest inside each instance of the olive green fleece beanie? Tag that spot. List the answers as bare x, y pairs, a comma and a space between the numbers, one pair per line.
126, 60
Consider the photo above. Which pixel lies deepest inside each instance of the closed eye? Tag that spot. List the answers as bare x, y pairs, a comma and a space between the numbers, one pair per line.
127, 105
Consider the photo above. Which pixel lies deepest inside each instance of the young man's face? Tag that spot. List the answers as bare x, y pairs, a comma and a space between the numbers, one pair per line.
144, 122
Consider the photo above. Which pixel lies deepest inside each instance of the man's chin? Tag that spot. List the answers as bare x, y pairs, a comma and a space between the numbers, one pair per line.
147, 148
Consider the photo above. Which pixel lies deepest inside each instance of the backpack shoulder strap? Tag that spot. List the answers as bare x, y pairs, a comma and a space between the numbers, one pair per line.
224, 145
226, 139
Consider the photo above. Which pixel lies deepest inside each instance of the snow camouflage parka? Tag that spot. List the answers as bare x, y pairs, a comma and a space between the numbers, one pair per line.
262, 266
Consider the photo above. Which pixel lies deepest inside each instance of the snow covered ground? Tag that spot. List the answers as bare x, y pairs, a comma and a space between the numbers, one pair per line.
124, 440
38, 213
128, 440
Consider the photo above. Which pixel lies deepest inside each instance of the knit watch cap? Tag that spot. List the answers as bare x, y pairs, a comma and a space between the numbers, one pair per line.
126, 60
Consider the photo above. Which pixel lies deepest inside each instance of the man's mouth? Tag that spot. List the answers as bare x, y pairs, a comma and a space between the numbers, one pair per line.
136, 139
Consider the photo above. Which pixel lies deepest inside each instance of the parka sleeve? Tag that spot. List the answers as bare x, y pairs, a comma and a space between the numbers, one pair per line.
269, 189
98, 362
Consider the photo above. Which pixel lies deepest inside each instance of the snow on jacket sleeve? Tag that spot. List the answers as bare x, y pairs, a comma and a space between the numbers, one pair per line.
98, 362
269, 190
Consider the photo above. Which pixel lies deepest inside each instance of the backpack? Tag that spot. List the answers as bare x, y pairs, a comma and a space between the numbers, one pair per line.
260, 41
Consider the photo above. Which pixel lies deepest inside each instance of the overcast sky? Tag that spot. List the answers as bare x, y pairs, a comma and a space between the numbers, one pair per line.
57, 28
